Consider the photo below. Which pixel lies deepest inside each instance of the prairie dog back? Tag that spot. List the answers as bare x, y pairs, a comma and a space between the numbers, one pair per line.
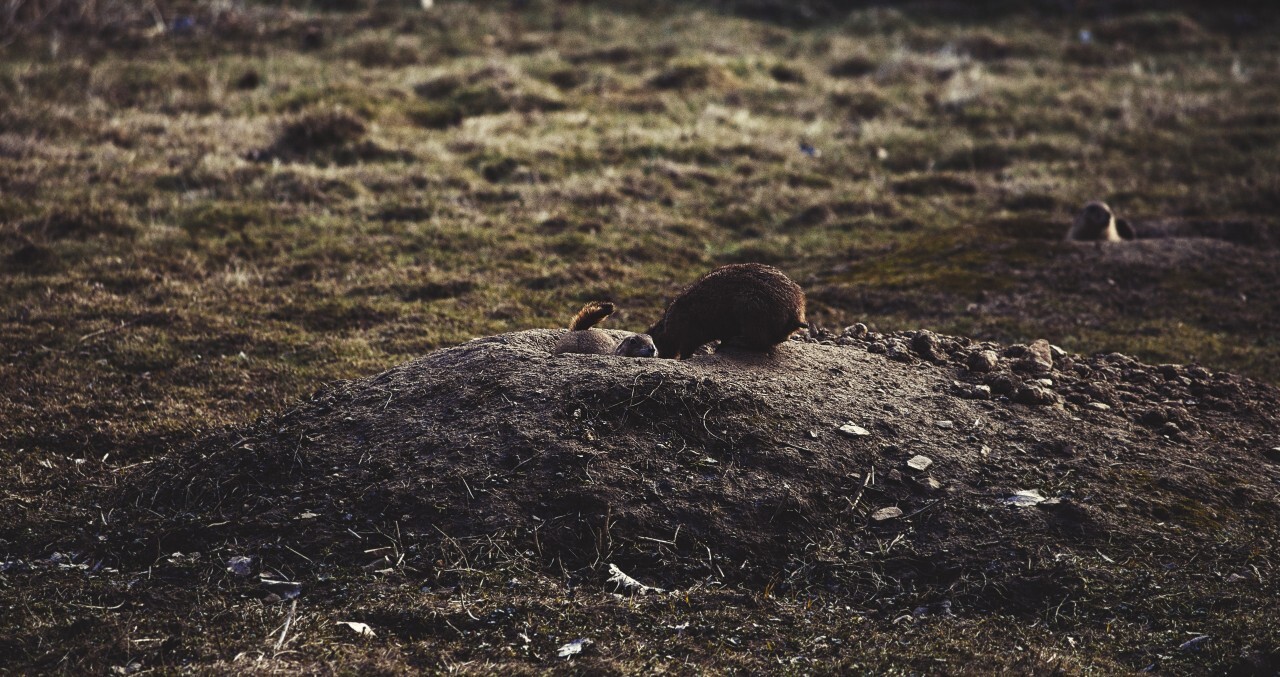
748, 305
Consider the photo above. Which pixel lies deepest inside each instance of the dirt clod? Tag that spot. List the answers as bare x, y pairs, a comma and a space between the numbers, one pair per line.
1034, 395
982, 361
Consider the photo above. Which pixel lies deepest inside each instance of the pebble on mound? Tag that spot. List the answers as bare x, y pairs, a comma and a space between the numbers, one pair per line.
801, 465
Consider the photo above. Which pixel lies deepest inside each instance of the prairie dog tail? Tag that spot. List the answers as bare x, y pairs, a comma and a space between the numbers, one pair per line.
591, 315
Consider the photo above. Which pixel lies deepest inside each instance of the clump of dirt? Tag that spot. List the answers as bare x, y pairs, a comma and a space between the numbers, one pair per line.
326, 136
694, 75
448, 100
83, 222
853, 67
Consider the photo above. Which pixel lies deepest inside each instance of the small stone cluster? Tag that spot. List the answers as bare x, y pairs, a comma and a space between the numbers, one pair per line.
1162, 398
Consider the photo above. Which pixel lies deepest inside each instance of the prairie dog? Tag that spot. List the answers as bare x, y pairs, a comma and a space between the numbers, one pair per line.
1097, 222
583, 339
747, 305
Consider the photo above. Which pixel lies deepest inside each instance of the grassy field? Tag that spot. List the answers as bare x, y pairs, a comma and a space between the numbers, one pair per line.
201, 225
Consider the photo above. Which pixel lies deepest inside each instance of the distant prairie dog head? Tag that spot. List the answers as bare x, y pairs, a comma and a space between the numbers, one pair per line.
1096, 222
584, 340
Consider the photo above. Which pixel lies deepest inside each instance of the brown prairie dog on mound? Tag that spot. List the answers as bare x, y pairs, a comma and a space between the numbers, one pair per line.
747, 305
583, 339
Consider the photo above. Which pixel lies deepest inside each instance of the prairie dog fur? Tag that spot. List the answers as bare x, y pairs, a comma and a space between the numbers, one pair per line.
583, 339
748, 305
1097, 222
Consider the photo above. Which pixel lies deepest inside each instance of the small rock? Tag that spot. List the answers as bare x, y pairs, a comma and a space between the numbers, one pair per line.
978, 392
240, 566
1041, 354
920, 463
1194, 643
925, 344
1056, 352
1035, 395
1014, 351
1153, 418
854, 430
876, 347
1002, 384
1025, 498
1098, 406
931, 484
886, 514
575, 647
1273, 454
857, 331
982, 361
899, 351
945, 425
359, 628
1046, 382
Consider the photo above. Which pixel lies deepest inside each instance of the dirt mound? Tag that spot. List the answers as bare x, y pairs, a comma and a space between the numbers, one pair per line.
795, 467
326, 137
